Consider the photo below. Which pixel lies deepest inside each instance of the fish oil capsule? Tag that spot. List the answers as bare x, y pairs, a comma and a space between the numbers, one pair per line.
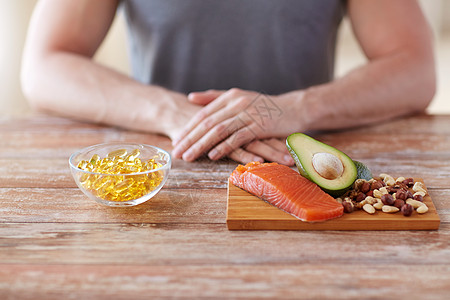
94, 159
118, 152
133, 155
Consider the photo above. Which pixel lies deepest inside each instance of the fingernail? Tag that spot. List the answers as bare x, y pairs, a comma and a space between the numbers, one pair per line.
213, 154
188, 155
259, 159
176, 153
288, 159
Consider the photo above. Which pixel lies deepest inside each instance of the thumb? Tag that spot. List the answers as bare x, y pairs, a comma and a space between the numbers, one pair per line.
203, 98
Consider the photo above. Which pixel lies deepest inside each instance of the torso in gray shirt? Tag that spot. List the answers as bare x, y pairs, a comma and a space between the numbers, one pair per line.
271, 46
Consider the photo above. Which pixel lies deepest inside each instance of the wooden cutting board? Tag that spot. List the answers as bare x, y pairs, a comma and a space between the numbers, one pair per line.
247, 212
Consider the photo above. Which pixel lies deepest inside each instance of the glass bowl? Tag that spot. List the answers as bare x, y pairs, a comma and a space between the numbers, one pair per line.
120, 174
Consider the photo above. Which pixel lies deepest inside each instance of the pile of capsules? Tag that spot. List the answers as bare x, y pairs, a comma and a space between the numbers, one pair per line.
117, 181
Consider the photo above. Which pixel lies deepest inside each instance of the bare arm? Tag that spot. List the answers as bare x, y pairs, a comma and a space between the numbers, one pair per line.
399, 79
58, 74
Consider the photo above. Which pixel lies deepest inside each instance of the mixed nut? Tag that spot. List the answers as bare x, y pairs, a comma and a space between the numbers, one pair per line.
386, 194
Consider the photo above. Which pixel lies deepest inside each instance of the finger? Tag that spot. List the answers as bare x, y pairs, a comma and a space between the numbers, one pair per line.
203, 98
199, 117
269, 153
215, 128
244, 157
279, 144
240, 137
210, 139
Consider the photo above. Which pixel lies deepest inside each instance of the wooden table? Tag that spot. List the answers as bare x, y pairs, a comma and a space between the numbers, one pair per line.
55, 243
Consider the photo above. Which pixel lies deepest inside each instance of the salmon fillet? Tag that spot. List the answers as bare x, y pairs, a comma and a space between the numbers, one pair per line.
286, 189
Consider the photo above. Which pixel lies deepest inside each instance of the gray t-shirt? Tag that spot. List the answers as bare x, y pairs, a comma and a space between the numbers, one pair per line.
271, 46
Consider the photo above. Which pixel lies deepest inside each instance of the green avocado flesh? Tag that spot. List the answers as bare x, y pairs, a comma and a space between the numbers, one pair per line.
363, 171
332, 170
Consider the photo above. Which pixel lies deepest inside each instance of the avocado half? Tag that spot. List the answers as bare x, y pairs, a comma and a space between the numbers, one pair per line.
332, 170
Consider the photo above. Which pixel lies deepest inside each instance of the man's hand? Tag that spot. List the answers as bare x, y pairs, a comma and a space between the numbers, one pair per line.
234, 119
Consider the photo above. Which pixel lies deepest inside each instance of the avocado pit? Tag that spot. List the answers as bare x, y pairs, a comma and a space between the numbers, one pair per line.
327, 165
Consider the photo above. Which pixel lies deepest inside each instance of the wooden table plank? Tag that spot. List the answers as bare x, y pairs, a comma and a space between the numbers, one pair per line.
71, 205
314, 281
213, 244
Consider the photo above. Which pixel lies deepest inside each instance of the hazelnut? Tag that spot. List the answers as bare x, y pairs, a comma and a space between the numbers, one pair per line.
399, 203
360, 197
392, 189
409, 182
409, 195
365, 187
407, 210
348, 207
387, 199
370, 193
376, 185
401, 194
418, 197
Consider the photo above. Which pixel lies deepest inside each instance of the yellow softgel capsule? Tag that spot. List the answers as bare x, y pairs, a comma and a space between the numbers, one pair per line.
118, 152
133, 155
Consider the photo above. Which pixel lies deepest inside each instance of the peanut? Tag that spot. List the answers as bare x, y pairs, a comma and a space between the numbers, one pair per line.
371, 200
421, 193
369, 209
389, 209
414, 203
389, 180
419, 186
400, 179
384, 190
377, 194
422, 209
383, 175
378, 205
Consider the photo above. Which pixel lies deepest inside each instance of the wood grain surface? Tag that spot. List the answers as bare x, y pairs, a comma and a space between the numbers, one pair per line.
55, 243
247, 212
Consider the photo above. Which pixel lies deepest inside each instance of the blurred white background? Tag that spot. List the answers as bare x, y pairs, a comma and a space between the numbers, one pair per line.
15, 14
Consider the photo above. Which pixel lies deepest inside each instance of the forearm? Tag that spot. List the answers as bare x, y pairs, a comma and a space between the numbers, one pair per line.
383, 89
76, 87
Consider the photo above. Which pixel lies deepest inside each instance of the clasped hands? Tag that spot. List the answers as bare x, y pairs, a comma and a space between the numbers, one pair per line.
243, 125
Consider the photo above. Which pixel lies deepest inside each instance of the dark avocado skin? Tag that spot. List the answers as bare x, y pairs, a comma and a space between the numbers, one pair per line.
363, 171
301, 170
